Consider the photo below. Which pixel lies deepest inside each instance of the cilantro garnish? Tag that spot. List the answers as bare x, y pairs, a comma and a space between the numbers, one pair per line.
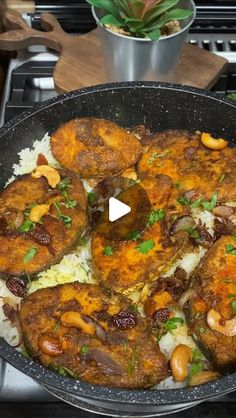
194, 369
145, 246
108, 251
221, 178
183, 201
30, 254
132, 362
26, 226
91, 198
84, 349
155, 216
173, 323
156, 155
207, 205
233, 306
134, 235
193, 233
67, 220
230, 249
64, 184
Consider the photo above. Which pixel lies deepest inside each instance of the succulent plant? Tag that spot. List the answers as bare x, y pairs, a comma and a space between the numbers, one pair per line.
140, 18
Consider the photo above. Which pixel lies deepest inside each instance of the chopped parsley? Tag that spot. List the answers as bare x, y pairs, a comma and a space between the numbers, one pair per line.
91, 198
197, 356
173, 323
134, 235
202, 330
71, 203
30, 254
193, 233
155, 216
132, 362
63, 371
84, 349
230, 249
207, 205
183, 201
153, 157
145, 246
64, 184
134, 308
67, 220
231, 295
56, 327
108, 251
221, 178
233, 306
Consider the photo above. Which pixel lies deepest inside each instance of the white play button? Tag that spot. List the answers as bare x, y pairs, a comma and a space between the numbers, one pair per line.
117, 209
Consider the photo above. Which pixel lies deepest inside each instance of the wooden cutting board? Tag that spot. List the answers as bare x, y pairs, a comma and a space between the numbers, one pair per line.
81, 62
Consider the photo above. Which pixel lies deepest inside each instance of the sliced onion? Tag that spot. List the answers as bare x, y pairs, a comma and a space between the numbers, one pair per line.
182, 224
101, 334
186, 296
104, 359
224, 211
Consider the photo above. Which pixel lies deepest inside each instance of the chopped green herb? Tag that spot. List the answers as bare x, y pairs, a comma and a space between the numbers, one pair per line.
177, 185
134, 308
233, 306
71, 203
221, 178
231, 96
91, 197
193, 233
196, 203
67, 220
231, 295
58, 208
183, 201
83, 241
30, 254
145, 246
210, 205
234, 236
26, 226
64, 184
202, 330
63, 371
230, 249
134, 235
173, 323
108, 251
84, 349
132, 362
155, 155
195, 368
197, 356
24, 352
125, 345
155, 216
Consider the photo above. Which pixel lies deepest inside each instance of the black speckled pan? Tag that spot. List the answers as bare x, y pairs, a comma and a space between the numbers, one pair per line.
158, 106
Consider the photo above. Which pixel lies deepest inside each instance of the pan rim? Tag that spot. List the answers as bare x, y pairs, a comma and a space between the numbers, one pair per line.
80, 388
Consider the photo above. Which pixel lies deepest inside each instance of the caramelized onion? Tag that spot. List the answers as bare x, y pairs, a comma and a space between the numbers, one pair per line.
224, 211
186, 296
104, 359
101, 334
182, 224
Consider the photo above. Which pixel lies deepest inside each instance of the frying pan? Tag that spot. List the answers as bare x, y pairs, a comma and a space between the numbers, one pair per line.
158, 106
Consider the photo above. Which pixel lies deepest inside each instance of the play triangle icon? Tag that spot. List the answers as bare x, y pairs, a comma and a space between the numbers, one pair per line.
117, 209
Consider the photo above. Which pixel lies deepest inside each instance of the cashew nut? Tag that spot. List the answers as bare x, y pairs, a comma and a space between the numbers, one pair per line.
203, 377
213, 143
214, 320
74, 319
180, 358
51, 174
50, 345
38, 211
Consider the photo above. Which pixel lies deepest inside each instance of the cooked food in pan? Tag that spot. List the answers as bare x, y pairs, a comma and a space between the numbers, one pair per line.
147, 301
94, 148
41, 216
94, 334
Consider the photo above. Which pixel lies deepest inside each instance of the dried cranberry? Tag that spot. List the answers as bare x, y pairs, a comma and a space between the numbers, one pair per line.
124, 320
162, 315
41, 235
17, 286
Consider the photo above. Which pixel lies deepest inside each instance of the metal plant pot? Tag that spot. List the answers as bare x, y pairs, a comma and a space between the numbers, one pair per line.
130, 59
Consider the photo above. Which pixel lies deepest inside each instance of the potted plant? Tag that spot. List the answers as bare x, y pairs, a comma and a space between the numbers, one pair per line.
142, 39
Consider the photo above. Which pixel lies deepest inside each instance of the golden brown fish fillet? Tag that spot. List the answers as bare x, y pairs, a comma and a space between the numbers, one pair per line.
191, 165
94, 148
215, 285
89, 333
28, 247
126, 265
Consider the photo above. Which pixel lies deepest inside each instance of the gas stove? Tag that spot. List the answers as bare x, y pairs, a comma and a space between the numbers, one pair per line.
29, 81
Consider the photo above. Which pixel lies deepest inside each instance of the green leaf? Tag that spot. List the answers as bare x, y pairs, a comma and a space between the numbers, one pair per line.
153, 157
108, 251
195, 368
32, 251
64, 184
145, 246
91, 198
134, 235
106, 5
134, 308
221, 178
234, 236
26, 226
155, 216
67, 220
82, 241
154, 35
58, 208
111, 20
71, 203
233, 306
197, 355
205, 203
63, 371
157, 11
173, 323
202, 330
230, 249
193, 233
132, 362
